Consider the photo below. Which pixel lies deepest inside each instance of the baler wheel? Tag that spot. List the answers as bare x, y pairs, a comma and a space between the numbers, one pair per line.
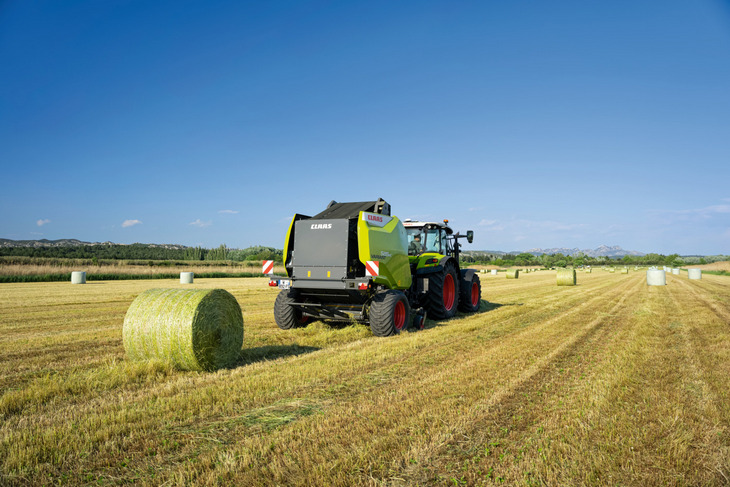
389, 313
287, 316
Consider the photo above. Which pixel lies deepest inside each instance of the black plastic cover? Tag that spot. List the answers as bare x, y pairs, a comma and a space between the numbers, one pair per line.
352, 210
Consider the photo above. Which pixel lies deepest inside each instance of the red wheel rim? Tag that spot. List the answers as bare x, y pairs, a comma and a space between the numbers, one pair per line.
399, 315
449, 292
474, 294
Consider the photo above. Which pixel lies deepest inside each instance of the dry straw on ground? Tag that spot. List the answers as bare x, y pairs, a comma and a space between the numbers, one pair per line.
192, 329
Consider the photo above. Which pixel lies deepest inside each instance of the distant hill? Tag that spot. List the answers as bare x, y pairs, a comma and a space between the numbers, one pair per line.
602, 251
72, 242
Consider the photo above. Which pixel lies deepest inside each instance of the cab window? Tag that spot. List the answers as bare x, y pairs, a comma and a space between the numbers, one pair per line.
415, 241
433, 240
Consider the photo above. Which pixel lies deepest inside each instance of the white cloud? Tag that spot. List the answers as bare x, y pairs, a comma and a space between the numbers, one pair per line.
691, 214
228, 212
42, 222
201, 224
130, 223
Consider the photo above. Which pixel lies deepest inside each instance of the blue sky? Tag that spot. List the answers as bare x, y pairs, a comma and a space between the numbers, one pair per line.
536, 124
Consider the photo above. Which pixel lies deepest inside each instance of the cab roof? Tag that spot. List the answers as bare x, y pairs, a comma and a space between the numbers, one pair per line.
408, 223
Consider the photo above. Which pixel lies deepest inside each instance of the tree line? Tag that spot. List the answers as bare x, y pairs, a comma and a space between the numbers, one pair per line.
145, 252
559, 260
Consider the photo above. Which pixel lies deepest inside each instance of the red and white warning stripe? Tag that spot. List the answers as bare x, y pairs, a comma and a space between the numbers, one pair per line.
372, 268
268, 267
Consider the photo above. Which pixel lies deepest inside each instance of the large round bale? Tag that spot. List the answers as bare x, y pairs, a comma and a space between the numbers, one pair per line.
566, 277
675, 271
78, 277
624, 271
694, 273
193, 329
186, 278
494, 272
513, 273
656, 277
588, 271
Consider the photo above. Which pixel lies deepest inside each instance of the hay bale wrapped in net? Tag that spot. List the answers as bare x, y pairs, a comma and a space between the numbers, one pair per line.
494, 272
78, 277
656, 277
624, 271
588, 271
513, 273
694, 273
186, 277
675, 271
193, 329
566, 277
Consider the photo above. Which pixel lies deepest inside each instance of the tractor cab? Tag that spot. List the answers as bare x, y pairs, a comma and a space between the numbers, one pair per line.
429, 237
433, 238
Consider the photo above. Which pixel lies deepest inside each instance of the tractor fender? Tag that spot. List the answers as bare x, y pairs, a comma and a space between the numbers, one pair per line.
429, 270
445, 259
467, 274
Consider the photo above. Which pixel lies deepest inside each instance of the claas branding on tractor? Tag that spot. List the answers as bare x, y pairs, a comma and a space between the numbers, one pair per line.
356, 262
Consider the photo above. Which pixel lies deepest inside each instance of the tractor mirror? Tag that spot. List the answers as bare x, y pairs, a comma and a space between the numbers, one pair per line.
470, 236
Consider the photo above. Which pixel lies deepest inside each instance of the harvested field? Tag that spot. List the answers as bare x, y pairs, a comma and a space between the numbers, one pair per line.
715, 266
607, 382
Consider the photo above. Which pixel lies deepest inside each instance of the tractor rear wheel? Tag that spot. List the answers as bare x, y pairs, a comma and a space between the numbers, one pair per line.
389, 313
443, 293
286, 315
471, 295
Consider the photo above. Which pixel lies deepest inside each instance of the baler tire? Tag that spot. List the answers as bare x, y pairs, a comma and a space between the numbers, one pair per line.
389, 313
287, 316
436, 302
471, 295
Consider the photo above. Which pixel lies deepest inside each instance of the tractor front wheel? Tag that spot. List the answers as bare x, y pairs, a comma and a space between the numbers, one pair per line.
286, 315
389, 313
443, 293
471, 295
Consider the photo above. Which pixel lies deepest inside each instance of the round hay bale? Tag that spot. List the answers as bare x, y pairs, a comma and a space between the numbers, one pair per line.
588, 271
656, 278
513, 273
566, 277
694, 273
624, 271
193, 329
675, 271
78, 277
186, 278
494, 272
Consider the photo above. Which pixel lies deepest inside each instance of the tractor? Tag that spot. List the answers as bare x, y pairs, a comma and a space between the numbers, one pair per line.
355, 262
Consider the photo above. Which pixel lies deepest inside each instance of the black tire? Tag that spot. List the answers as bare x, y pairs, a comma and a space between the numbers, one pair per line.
441, 306
286, 316
389, 313
470, 296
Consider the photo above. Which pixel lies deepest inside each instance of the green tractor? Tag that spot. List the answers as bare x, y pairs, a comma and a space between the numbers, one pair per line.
356, 262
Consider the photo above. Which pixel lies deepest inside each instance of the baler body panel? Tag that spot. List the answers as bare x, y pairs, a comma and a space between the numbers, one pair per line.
387, 245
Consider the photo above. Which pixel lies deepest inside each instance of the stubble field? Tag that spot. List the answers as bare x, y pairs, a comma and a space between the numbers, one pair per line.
609, 382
